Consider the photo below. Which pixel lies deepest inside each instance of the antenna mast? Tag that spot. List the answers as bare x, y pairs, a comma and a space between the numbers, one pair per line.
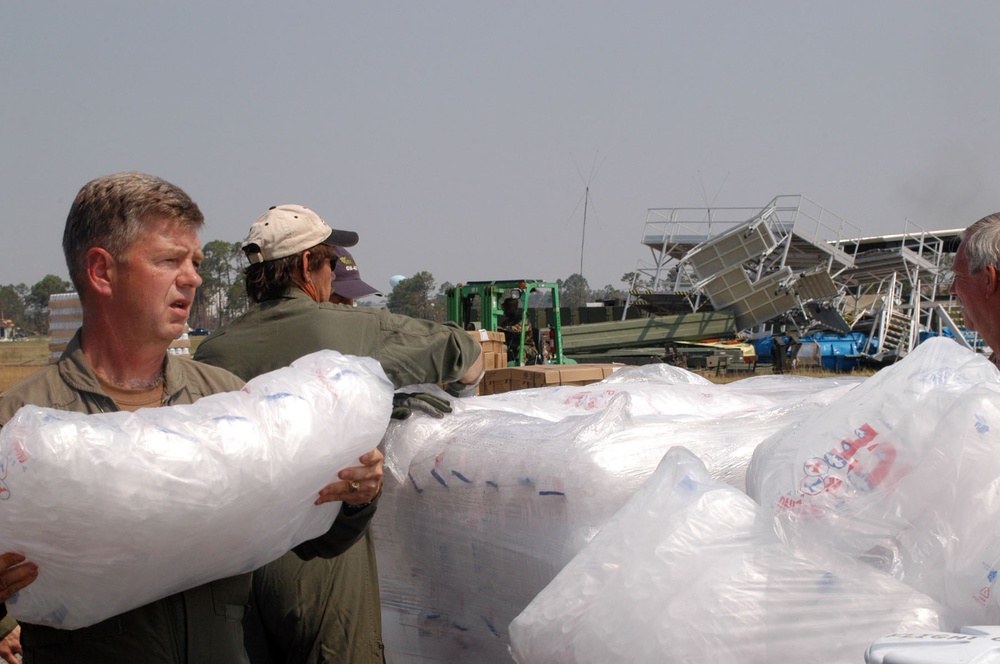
586, 200
583, 239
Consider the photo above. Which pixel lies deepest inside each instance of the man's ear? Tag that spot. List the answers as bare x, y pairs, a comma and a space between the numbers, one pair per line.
303, 267
990, 281
101, 269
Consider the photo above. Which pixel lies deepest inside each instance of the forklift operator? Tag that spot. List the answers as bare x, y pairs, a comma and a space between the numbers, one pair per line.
512, 323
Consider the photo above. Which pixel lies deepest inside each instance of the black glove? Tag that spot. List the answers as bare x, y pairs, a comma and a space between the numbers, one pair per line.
404, 403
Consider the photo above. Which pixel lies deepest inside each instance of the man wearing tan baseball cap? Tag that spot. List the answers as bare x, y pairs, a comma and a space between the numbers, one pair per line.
290, 229
327, 608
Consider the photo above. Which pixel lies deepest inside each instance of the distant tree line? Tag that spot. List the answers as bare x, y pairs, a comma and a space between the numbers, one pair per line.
222, 295
28, 307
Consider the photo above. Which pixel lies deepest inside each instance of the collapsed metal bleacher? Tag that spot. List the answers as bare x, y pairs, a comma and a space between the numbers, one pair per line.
744, 259
793, 260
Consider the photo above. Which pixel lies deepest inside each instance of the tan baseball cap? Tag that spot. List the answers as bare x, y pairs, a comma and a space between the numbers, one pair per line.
285, 230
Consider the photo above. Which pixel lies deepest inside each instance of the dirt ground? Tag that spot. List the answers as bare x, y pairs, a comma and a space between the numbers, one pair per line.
19, 359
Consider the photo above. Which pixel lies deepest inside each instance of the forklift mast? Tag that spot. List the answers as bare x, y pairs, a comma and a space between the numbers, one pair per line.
461, 301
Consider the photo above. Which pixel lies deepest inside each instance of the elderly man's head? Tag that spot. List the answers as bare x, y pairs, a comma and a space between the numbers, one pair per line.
977, 278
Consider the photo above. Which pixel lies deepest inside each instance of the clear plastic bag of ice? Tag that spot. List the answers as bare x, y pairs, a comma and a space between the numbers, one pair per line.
120, 509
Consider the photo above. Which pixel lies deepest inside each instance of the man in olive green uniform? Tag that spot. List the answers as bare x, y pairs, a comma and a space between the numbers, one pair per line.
132, 248
308, 612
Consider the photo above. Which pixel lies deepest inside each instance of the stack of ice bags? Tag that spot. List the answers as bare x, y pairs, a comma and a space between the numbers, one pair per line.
497, 497
902, 473
120, 509
877, 515
688, 571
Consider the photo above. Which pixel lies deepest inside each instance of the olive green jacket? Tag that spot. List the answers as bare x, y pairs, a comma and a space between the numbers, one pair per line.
275, 333
202, 625
329, 610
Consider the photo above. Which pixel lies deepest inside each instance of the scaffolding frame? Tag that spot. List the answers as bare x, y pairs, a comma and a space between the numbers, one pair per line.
707, 252
792, 258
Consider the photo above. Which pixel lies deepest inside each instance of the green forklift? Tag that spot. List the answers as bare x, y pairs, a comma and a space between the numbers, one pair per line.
478, 305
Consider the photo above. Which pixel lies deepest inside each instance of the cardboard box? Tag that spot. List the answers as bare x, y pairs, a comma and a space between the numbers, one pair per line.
494, 360
492, 342
494, 350
551, 375
496, 381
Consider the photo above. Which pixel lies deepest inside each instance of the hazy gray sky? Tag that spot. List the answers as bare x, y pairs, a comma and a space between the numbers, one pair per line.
458, 137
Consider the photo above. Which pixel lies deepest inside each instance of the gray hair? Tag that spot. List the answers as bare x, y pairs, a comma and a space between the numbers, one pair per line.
982, 243
111, 211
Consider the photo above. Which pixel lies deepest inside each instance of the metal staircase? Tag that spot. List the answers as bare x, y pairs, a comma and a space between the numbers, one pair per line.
896, 337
